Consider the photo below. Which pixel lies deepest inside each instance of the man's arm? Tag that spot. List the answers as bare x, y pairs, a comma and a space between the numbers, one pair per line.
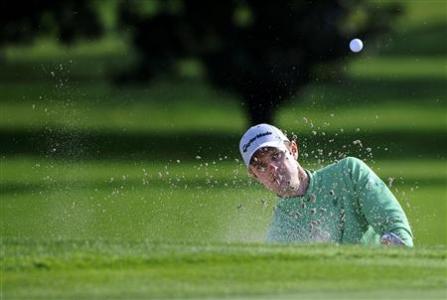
379, 206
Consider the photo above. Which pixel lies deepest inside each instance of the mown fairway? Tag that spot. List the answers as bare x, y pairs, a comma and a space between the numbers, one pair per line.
138, 191
138, 270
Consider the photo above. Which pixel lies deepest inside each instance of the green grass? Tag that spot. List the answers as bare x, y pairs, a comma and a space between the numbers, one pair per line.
400, 67
102, 270
162, 109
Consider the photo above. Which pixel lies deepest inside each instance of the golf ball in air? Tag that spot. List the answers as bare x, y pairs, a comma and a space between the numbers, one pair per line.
356, 45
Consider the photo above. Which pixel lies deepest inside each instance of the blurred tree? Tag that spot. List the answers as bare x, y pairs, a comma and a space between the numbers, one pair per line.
264, 51
22, 20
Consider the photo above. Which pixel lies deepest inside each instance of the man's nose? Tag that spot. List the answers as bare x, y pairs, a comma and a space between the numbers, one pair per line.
273, 167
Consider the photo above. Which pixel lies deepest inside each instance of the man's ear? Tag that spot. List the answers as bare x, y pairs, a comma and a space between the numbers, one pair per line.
251, 173
294, 149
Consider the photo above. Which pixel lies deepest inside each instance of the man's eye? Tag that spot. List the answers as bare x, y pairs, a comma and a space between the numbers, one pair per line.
276, 156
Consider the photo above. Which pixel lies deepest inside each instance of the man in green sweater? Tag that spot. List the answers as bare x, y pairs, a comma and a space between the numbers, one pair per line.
345, 202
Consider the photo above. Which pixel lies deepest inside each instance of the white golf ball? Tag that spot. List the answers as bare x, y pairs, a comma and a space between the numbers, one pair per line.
356, 45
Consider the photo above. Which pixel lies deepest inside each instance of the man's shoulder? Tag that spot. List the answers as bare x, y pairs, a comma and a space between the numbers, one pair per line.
342, 164
344, 169
350, 161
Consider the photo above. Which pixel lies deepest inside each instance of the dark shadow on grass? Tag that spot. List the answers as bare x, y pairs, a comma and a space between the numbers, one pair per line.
345, 92
85, 67
79, 145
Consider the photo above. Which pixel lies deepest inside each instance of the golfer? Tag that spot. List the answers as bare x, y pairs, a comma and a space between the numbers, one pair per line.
345, 202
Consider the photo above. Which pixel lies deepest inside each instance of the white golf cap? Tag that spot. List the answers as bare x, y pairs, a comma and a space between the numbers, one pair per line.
259, 136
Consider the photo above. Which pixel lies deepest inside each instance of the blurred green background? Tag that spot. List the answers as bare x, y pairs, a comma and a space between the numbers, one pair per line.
137, 191
83, 159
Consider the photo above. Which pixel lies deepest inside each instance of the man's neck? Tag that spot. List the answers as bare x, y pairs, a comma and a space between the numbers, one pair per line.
304, 182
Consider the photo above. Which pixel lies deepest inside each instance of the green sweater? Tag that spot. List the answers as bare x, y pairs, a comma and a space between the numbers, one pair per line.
345, 202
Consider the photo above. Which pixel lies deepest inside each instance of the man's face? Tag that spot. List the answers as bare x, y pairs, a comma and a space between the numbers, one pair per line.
277, 169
